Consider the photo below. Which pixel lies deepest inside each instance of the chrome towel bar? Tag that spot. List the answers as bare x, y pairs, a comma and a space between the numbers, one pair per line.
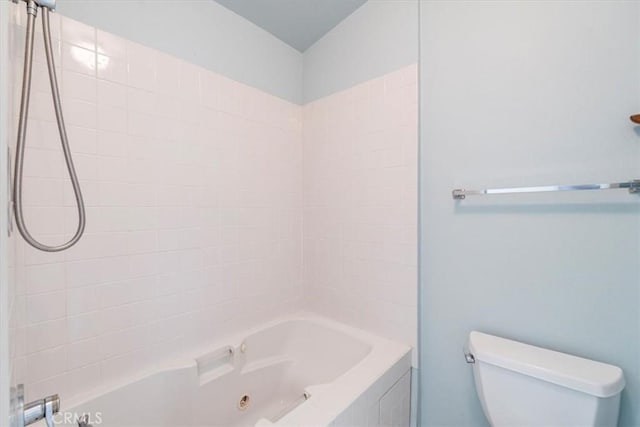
633, 187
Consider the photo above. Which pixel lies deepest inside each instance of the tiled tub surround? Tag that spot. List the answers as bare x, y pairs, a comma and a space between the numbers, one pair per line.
193, 194
360, 205
350, 377
193, 185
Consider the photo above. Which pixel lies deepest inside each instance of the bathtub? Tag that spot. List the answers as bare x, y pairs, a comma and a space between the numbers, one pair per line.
299, 371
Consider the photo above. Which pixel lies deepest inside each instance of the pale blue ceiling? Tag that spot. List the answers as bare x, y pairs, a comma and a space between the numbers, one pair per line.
299, 23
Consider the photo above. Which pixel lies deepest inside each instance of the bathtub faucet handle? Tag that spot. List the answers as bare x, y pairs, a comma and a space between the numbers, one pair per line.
83, 421
44, 408
51, 407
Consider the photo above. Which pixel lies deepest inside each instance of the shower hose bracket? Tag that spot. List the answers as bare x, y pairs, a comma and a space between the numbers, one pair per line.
49, 4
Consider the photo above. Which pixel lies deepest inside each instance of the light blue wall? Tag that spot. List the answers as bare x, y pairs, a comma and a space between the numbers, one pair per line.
202, 32
299, 23
526, 93
378, 38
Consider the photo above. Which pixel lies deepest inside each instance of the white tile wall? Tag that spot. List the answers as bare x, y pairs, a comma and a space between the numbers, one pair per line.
360, 205
9, 291
194, 211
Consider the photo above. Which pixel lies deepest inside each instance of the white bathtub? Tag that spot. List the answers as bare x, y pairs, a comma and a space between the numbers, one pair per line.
301, 371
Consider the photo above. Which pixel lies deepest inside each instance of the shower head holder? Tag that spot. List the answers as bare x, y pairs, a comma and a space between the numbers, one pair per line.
49, 4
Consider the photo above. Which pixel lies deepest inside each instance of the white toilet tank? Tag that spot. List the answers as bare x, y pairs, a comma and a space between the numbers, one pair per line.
522, 385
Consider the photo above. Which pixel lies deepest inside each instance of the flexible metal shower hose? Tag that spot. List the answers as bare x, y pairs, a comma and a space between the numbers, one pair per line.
22, 130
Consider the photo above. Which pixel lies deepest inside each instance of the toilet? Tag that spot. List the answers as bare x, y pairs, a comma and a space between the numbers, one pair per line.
522, 385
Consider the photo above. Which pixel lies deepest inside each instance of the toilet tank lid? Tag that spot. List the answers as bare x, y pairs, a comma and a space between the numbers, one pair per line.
588, 376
